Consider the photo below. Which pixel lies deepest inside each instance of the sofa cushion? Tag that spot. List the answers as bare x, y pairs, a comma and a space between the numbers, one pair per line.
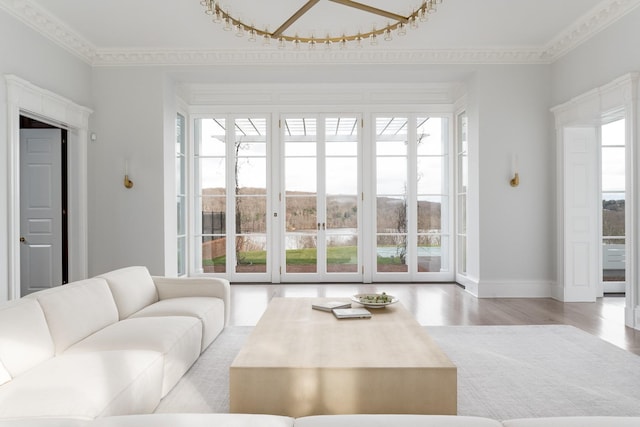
214, 287
85, 386
25, 340
195, 420
209, 310
178, 338
132, 289
574, 422
77, 310
399, 420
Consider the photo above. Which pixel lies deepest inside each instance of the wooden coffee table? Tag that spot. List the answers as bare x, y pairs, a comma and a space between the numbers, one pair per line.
300, 361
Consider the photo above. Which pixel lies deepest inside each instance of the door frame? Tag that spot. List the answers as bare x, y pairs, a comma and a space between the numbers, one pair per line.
27, 99
587, 110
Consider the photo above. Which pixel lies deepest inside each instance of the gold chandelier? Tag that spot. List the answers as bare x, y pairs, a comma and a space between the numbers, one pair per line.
396, 24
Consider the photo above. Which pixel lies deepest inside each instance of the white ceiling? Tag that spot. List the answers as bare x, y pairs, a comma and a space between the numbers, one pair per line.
178, 31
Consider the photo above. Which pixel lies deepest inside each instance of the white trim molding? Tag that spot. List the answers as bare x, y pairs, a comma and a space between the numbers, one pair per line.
42, 21
32, 14
24, 98
269, 56
206, 95
596, 20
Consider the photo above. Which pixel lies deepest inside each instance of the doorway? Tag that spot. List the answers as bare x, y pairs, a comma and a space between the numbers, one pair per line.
43, 206
27, 99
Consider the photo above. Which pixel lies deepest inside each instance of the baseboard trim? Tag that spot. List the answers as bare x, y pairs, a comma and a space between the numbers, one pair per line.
470, 285
515, 289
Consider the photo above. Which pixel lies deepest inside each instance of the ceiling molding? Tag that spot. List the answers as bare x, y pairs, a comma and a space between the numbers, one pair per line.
596, 20
286, 57
51, 27
33, 15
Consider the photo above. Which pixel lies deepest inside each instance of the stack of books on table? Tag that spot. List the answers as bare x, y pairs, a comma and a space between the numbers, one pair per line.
342, 310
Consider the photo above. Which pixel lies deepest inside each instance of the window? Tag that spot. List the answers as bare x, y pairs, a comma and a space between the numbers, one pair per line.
462, 180
181, 193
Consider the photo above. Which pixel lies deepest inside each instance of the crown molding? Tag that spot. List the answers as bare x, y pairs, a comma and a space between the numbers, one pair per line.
289, 57
590, 24
51, 27
604, 14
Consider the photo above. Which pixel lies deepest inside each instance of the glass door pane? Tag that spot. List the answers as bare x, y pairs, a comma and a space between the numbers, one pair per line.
211, 194
341, 199
432, 201
391, 194
301, 223
250, 176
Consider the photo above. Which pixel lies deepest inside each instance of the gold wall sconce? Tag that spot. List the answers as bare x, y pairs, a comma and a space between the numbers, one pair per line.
515, 181
127, 182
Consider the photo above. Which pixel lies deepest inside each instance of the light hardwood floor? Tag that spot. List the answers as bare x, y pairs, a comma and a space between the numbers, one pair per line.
450, 304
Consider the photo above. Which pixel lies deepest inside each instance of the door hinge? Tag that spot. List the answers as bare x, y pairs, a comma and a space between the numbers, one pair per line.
363, 270
362, 123
280, 269
280, 123
363, 196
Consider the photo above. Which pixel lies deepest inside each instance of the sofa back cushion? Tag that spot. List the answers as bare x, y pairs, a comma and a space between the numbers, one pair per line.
132, 288
77, 310
25, 340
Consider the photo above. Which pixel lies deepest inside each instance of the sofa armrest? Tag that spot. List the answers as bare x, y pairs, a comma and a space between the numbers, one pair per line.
177, 287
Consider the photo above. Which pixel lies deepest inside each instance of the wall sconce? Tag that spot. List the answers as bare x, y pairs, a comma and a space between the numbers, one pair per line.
515, 181
127, 182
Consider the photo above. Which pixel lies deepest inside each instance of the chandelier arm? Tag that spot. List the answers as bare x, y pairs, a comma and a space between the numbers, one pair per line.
304, 9
373, 10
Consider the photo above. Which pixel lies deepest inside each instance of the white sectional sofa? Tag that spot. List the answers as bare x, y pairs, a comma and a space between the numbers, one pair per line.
248, 420
110, 345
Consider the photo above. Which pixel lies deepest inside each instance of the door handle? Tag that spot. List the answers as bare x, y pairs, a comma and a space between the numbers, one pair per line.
22, 239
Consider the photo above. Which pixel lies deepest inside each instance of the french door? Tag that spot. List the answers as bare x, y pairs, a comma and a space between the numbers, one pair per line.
320, 196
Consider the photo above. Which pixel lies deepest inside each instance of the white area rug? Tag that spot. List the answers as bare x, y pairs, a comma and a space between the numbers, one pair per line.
504, 372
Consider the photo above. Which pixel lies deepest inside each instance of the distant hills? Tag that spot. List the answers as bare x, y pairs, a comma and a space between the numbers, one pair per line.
341, 211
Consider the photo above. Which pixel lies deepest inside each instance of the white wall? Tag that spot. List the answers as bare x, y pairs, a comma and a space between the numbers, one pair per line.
126, 226
25, 53
516, 228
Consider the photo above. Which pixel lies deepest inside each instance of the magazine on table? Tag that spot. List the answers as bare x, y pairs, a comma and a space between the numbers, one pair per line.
352, 313
331, 305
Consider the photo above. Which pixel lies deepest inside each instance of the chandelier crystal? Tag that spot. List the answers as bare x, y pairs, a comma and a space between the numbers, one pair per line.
396, 25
